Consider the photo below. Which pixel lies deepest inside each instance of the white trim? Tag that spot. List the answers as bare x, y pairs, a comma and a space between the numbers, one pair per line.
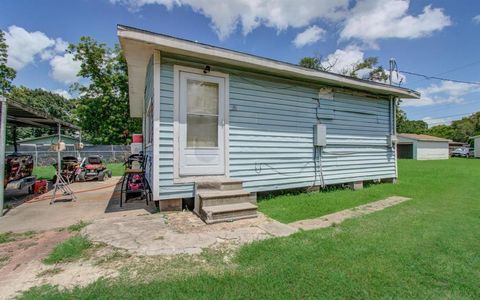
176, 126
156, 127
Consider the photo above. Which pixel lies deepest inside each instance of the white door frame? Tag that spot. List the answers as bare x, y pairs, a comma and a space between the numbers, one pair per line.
177, 128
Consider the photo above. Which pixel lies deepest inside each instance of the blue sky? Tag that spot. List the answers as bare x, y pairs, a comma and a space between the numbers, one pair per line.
428, 37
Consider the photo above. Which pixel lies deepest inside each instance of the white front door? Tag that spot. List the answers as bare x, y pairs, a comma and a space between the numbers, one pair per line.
202, 125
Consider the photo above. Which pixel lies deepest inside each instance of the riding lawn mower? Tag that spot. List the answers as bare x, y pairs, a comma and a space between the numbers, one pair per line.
93, 168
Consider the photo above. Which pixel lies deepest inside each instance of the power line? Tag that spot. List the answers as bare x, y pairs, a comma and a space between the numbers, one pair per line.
437, 109
450, 116
455, 115
453, 70
438, 78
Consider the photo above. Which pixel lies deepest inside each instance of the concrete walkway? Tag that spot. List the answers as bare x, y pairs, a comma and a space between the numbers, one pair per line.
95, 200
182, 232
176, 233
339, 217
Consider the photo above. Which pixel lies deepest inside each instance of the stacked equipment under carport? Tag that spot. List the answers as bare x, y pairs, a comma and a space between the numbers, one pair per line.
20, 115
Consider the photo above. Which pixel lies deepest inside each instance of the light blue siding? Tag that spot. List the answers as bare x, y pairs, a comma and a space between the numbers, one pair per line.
271, 134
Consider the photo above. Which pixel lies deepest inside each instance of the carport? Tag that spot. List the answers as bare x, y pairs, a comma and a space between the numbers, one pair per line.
405, 150
20, 115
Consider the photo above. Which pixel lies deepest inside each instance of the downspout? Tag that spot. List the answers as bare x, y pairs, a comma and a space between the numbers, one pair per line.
393, 104
3, 125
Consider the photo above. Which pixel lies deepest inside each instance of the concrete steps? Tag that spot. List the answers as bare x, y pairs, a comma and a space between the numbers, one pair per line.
228, 212
223, 200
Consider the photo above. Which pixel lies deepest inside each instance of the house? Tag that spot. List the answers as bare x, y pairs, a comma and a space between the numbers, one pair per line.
221, 125
422, 146
476, 146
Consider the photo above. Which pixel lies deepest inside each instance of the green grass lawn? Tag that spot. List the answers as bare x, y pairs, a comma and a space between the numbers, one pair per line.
68, 250
47, 172
293, 207
426, 248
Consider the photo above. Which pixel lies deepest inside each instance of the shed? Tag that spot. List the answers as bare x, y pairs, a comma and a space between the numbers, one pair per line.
221, 125
476, 146
422, 147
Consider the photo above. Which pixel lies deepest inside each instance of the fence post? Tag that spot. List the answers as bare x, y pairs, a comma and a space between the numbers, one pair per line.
113, 154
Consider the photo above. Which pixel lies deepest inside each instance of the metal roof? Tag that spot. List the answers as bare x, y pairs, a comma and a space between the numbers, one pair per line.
422, 137
23, 116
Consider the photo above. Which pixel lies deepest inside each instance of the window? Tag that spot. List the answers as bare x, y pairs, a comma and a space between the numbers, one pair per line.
202, 114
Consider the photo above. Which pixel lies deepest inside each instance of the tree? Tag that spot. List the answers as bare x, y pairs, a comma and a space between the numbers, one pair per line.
103, 110
369, 65
404, 125
43, 101
444, 131
316, 63
7, 74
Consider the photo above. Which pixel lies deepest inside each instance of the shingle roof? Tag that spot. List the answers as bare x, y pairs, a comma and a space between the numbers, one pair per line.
422, 137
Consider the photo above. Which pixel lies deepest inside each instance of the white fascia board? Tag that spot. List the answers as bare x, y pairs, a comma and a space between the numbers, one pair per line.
137, 56
188, 48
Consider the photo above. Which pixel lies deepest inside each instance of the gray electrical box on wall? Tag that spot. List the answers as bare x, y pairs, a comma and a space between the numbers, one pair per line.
320, 135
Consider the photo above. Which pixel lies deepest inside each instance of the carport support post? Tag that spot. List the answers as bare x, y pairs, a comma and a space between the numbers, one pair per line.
3, 125
59, 167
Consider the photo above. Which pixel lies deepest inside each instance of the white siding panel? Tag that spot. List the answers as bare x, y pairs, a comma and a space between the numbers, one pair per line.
432, 150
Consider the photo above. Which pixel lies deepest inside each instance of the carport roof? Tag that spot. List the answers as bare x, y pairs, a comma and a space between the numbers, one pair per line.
23, 116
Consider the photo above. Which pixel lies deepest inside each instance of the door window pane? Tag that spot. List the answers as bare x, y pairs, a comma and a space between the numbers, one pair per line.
202, 97
202, 131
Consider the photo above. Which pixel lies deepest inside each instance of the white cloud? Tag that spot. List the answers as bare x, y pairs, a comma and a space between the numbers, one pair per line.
23, 46
311, 35
476, 19
443, 93
26, 47
63, 93
371, 20
342, 60
227, 16
432, 121
64, 68
60, 45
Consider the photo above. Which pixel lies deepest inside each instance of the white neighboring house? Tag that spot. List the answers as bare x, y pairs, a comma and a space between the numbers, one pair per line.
421, 147
476, 145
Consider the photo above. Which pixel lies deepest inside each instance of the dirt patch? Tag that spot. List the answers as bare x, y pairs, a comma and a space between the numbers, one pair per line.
21, 265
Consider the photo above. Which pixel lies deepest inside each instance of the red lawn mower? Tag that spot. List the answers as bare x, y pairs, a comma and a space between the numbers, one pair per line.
93, 168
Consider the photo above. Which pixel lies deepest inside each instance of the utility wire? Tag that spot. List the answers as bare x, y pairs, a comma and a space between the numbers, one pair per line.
438, 78
428, 109
452, 70
445, 121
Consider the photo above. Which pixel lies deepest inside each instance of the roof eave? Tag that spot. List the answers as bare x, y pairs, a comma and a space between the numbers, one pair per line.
208, 52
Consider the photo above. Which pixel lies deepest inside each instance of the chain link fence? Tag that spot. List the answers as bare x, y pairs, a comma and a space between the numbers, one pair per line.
42, 155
